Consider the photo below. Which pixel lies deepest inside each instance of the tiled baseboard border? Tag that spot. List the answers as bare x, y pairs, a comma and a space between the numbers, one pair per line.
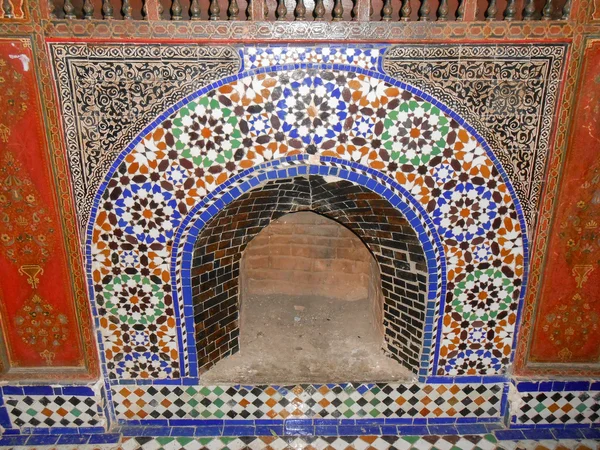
556, 404
407, 403
537, 410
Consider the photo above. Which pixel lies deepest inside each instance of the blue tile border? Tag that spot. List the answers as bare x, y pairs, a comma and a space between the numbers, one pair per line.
433, 380
567, 433
306, 429
512, 435
13, 441
556, 386
40, 439
73, 439
108, 438
591, 433
461, 424
416, 216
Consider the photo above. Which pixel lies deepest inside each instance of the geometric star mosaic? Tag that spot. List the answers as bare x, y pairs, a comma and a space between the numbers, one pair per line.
365, 56
348, 113
122, 88
509, 93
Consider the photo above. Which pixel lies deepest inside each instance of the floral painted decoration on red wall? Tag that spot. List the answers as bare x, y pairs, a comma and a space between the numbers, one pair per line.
567, 327
37, 305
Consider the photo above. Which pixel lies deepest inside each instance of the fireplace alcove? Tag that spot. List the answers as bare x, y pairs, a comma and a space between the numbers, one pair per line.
264, 288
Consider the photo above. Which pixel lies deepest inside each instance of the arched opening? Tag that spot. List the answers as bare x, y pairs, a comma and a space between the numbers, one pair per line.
381, 281
311, 308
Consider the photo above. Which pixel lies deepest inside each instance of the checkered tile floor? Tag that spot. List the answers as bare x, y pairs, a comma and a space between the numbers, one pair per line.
479, 442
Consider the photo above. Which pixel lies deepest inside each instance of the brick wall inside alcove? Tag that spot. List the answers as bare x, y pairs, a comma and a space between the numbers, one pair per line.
380, 226
307, 254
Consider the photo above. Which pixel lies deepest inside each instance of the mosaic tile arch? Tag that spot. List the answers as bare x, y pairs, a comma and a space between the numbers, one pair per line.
333, 110
122, 88
308, 165
508, 92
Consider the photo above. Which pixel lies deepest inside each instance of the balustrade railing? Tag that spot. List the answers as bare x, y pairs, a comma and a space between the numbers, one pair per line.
311, 10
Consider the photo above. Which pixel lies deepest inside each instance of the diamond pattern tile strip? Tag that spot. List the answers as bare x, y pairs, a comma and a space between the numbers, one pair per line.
307, 401
559, 407
41, 411
469, 442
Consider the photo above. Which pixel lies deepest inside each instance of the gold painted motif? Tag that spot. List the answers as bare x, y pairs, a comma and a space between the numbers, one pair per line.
31, 271
581, 273
570, 325
27, 232
580, 231
13, 98
41, 327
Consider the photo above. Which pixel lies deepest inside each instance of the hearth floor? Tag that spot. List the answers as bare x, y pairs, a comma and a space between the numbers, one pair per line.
308, 339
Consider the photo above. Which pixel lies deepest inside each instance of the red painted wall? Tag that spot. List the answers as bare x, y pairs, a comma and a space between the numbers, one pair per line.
40, 325
567, 325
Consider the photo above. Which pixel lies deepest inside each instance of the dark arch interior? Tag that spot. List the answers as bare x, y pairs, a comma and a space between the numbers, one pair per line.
381, 227
311, 308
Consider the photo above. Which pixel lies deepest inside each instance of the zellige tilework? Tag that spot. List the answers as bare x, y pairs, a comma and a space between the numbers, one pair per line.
48, 411
457, 36
122, 88
365, 56
262, 117
580, 407
468, 442
508, 93
308, 401
374, 442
